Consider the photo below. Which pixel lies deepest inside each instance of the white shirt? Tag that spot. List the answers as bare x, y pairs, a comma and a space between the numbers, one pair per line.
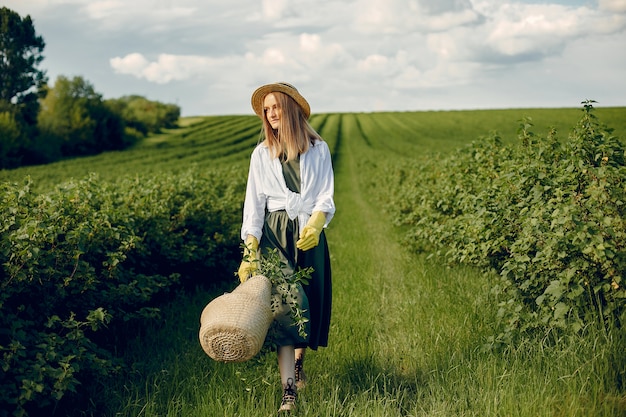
267, 188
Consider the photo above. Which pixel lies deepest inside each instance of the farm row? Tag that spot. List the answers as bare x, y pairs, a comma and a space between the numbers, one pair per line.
228, 140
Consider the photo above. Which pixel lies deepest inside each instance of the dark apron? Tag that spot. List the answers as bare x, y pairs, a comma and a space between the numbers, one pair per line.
282, 233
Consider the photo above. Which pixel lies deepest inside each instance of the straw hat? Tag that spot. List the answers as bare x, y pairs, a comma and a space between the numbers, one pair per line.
259, 95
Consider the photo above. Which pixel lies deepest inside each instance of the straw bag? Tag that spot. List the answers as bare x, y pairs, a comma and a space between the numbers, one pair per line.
233, 326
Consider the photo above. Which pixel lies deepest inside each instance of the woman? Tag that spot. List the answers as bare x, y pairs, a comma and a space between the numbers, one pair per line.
288, 203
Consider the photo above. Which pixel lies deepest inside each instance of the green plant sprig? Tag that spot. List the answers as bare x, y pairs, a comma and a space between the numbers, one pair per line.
285, 284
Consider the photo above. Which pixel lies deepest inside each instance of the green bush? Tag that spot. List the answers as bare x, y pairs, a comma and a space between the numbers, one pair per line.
548, 215
89, 256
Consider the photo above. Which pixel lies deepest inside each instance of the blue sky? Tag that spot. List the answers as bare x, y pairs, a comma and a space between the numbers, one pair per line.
354, 55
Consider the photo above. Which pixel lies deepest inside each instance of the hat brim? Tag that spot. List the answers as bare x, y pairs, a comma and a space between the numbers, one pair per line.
259, 95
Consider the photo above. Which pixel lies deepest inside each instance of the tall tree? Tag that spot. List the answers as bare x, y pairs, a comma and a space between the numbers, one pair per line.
21, 85
74, 115
20, 55
145, 116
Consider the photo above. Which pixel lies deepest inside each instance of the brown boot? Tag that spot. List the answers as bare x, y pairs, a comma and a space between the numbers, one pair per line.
290, 395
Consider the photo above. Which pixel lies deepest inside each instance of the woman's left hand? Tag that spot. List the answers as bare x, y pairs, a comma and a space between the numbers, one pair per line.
310, 236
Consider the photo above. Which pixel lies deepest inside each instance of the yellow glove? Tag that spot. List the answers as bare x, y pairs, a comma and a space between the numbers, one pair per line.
310, 236
250, 262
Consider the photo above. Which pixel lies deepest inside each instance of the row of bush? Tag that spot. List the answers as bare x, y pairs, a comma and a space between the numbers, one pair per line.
83, 261
548, 215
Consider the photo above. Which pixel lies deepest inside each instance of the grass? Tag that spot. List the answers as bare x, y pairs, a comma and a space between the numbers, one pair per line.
407, 339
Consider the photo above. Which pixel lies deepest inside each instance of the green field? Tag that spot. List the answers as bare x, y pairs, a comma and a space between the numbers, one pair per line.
410, 333
223, 140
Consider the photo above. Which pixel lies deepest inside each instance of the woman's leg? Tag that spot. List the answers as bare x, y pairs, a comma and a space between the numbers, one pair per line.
299, 367
286, 366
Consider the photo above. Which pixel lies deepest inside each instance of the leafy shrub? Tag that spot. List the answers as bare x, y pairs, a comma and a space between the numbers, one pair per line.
90, 255
547, 215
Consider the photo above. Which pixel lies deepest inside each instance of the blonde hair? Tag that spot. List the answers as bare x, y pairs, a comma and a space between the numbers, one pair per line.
294, 134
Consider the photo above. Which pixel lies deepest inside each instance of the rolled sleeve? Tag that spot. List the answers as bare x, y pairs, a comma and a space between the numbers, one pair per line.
323, 185
255, 201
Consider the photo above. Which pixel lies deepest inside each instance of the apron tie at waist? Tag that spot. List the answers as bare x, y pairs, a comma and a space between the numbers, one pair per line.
296, 207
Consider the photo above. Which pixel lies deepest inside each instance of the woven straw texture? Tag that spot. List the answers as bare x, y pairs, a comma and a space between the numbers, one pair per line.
233, 326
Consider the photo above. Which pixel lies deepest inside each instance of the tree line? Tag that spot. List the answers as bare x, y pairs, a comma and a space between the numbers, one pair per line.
40, 123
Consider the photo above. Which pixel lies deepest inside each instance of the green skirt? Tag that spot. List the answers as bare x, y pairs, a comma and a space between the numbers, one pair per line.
282, 233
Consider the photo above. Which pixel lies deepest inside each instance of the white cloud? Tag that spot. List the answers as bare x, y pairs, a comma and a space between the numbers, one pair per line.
409, 78
274, 9
616, 6
523, 30
451, 20
133, 64
310, 43
400, 16
377, 16
144, 15
373, 63
166, 68
514, 32
274, 57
